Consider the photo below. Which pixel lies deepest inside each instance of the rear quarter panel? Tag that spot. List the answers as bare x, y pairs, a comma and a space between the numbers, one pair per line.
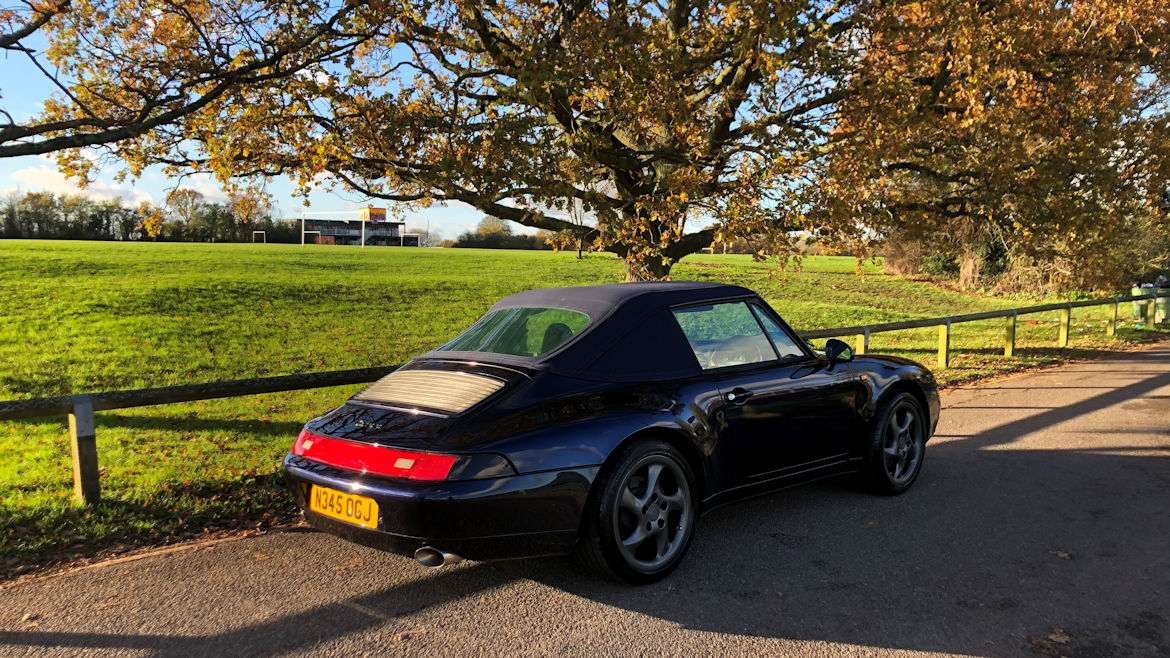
556, 422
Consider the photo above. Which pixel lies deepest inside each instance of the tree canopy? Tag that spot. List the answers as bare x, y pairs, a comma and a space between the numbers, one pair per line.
131, 70
672, 123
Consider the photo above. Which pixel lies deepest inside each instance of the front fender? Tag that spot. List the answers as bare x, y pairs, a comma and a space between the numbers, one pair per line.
887, 374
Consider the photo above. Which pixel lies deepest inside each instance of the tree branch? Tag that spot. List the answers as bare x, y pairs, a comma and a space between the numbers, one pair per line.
10, 40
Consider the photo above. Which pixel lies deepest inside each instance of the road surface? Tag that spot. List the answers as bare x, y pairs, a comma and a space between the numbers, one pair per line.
1040, 526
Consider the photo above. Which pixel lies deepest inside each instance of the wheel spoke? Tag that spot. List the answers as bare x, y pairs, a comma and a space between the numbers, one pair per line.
638, 536
660, 536
904, 426
674, 500
629, 502
652, 475
913, 449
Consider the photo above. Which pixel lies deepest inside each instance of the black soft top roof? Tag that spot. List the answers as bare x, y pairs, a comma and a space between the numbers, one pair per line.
596, 301
631, 335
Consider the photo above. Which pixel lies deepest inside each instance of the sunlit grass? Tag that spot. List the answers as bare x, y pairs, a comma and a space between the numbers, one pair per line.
83, 317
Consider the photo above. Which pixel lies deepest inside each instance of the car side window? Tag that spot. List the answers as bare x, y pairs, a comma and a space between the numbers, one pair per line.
724, 335
780, 338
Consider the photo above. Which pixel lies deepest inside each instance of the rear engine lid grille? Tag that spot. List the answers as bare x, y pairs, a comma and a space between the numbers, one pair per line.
444, 390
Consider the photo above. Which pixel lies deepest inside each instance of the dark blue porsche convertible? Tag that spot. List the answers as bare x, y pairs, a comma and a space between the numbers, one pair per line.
604, 420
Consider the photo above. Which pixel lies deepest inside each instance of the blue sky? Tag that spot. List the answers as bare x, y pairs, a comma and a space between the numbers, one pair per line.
23, 89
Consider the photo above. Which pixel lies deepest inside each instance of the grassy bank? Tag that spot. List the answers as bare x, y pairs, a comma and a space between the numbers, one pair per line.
84, 317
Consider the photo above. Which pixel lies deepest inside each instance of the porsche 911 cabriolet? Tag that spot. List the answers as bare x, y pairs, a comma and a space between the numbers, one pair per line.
603, 421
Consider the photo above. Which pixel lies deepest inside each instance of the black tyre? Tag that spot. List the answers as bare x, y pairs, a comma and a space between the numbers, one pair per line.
641, 514
897, 445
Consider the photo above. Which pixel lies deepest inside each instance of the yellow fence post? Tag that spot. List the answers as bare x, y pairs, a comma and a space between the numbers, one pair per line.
1111, 328
944, 345
862, 342
1065, 318
1009, 336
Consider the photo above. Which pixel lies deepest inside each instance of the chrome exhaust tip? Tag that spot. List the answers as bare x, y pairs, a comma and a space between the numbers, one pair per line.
432, 557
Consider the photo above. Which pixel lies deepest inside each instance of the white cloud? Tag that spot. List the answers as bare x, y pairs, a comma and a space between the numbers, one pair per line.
48, 179
206, 185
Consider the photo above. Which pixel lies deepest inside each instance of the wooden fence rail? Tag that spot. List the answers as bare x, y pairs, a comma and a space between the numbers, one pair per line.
80, 408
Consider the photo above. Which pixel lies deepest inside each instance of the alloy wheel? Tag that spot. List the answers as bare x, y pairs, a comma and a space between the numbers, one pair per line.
654, 514
902, 443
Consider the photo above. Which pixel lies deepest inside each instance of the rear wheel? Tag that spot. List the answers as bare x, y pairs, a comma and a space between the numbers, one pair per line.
897, 445
639, 523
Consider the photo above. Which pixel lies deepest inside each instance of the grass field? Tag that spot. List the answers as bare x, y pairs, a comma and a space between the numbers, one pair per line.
83, 317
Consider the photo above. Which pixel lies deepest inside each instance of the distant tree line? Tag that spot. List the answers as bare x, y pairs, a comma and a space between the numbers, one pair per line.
187, 216
70, 217
495, 233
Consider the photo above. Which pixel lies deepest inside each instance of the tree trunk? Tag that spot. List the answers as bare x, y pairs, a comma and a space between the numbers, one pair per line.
970, 267
654, 269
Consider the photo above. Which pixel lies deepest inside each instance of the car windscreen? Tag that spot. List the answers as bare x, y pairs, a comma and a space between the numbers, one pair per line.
521, 331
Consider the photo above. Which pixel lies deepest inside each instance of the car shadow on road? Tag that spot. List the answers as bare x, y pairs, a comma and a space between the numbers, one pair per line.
1000, 549
287, 633
997, 547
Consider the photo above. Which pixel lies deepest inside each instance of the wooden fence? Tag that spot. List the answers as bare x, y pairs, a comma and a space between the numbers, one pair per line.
80, 408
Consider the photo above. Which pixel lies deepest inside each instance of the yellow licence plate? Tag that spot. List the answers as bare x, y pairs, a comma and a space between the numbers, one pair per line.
350, 508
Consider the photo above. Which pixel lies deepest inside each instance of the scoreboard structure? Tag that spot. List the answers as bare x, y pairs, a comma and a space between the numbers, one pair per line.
370, 214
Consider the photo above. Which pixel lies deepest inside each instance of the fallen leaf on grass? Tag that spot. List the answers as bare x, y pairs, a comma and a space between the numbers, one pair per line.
260, 556
29, 617
1059, 636
1061, 554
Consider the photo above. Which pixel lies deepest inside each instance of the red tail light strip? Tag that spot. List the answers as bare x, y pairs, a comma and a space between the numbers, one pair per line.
372, 458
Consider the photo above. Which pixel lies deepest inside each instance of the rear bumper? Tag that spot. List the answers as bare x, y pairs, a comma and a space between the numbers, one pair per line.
508, 517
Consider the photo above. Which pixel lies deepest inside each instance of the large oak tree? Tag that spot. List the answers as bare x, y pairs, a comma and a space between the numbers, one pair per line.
677, 123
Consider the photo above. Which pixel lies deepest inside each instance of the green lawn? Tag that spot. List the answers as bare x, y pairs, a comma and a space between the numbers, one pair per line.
83, 316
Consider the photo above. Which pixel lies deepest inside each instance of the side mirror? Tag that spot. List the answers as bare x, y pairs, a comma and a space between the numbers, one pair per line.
838, 350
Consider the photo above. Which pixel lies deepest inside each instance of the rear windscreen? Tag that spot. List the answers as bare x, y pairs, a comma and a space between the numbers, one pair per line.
523, 331
452, 392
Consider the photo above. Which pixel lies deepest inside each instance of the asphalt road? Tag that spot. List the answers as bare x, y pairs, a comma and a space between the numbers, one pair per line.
1039, 526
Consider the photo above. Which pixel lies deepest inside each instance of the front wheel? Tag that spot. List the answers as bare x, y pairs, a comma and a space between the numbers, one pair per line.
639, 524
897, 445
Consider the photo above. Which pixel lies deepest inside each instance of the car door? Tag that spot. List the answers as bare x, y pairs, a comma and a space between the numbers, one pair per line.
784, 409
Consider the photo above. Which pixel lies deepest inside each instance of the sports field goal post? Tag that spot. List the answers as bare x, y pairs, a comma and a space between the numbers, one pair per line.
263, 237
307, 233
